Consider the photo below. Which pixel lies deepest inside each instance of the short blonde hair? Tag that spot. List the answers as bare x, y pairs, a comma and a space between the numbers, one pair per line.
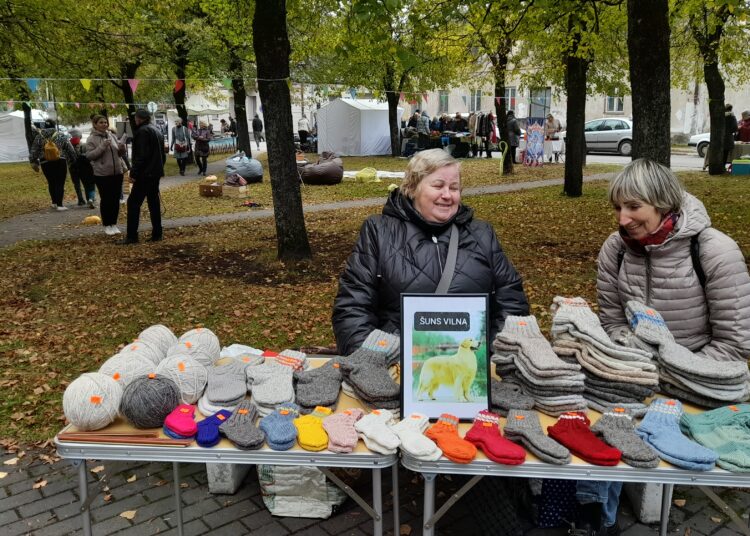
422, 164
650, 182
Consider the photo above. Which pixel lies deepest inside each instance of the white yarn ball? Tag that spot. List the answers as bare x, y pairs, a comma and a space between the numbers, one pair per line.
146, 349
203, 337
160, 336
196, 351
124, 368
92, 401
187, 373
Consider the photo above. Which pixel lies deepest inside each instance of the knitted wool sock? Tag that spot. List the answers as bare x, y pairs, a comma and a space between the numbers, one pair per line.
310, 432
727, 391
342, 437
175, 435
385, 343
676, 391
371, 380
572, 430
581, 353
636, 409
616, 428
208, 428
279, 427
240, 428
660, 429
226, 382
293, 359
524, 332
726, 431
679, 358
486, 435
507, 395
271, 384
374, 431
524, 427
319, 386
181, 421
411, 433
445, 433
647, 324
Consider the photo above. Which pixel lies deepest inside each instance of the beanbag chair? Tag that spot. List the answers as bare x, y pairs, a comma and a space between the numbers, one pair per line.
248, 168
328, 170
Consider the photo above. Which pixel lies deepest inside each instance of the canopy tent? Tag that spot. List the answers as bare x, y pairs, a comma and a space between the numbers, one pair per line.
354, 127
13, 135
198, 104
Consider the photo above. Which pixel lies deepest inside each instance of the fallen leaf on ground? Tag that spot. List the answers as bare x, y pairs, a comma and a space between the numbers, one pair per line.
39, 484
98, 469
184, 485
12, 461
679, 502
688, 531
716, 519
132, 478
128, 514
108, 497
3, 475
161, 483
404, 530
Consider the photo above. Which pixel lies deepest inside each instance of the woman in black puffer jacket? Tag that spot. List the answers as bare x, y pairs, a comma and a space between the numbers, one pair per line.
404, 250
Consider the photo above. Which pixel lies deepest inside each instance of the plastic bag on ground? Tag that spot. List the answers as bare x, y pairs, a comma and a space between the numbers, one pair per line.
298, 491
248, 168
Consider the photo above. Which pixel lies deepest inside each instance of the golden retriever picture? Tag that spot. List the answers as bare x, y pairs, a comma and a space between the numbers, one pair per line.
456, 372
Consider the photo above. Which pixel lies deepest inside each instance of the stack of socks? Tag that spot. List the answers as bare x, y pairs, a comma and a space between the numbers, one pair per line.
617, 429
726, 431
445, 434
318, 387
342, 436
615, 374
486, 435
506, 395
684, 374
523, 427
225, 389
410, 432
572, 430
180, 424
555, 385
660, 429
272, 383
374, 429
240, 428
365, 372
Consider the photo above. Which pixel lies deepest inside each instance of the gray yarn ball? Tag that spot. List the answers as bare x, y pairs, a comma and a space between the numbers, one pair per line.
146, 349
146, 401
160, 336
187, 373
204, 338
91, 401
196, 351
124, 368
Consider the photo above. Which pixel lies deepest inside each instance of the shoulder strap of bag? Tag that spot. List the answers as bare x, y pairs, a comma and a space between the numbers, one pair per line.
450, 263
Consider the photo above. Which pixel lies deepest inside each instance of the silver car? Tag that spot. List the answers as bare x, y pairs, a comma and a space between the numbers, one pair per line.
608, 135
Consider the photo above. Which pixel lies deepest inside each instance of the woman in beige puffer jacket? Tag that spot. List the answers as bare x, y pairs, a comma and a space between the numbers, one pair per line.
657, 267
103, 150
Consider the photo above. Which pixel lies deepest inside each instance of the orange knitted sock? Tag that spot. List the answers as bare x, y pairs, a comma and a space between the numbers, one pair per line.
445, 434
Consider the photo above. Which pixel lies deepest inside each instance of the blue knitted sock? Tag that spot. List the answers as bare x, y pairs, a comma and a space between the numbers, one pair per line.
174, 435
208, 428
279, 427
660, 428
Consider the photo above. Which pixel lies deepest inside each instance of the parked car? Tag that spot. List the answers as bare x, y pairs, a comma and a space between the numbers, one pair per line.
608, 135
700, 141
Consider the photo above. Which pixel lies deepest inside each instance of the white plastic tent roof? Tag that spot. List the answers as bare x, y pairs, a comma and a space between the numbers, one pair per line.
354, 127
366, 104
13, 136
197, 104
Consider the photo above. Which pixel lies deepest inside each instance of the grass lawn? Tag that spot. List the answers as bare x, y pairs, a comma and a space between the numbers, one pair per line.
69, 305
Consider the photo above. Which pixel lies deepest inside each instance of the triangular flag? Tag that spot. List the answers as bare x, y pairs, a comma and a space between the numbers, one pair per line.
289, 83
353, 93
498, 100
133, 83
33, 84
227, 83
401, 97
60, 104
86, 83
28, 103
92, 105
78, 104
112, 104
11, 103
178, 85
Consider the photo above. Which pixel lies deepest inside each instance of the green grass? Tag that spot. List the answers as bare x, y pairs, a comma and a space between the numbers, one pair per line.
69, 305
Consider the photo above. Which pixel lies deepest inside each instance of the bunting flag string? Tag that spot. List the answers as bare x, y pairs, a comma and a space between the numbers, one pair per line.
133, 83
86, 83
178, 85
33, 84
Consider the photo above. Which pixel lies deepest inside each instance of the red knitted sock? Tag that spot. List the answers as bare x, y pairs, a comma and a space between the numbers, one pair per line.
572, 430
485, 434
445, 434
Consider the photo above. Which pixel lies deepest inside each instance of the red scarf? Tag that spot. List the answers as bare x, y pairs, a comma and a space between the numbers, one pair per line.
657, 237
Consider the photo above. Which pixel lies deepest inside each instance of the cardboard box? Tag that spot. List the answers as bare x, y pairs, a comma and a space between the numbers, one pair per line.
740, 167
235, 191
210, 190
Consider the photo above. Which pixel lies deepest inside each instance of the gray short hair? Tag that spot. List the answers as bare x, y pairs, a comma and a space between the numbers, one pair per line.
648, 181
422, 164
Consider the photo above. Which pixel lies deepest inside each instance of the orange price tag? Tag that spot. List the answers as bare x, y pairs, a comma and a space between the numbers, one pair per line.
376, 412
734, 408
671, 403
348, 412
181, 366
284, 412
221, 417
620, 410
415, 417
242, 411
336, 365
650, 312
520, 417
95, 399
487, 424
246, 359
382, 342
134, 347
152, 376
521, 323
184, 410
116, 376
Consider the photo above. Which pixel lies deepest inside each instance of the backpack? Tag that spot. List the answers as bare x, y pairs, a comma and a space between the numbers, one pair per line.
51, 151
694, 256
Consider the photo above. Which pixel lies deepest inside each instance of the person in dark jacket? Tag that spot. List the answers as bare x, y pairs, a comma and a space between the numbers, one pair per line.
55, 171
730, 128
148, 169
404, 250
514, 134
258, 130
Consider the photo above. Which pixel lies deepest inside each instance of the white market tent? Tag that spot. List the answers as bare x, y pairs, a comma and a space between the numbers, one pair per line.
13, 136
352, 127
197, 104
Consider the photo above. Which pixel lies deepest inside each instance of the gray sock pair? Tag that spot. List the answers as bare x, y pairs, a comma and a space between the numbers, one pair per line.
636, 409
371, 380
240, 428
581, 353
271, 385
689, 396
523, 427
318, 387
616, 428
534, 350
729, 393
226, 383
506, 395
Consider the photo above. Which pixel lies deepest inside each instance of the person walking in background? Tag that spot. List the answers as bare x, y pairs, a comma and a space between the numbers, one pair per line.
81, 171
258, 130
103, 151
730, 129
201, 135
147, 171
53, 152
232, 127
180, 144
224, 126
551, 129
303, 128
514, 135
743, 129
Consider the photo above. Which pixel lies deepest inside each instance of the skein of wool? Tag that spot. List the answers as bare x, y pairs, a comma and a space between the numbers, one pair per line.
187, 373
146, 349
203, 337
124, 368
196, 351
91, 401
146, 401
160, 336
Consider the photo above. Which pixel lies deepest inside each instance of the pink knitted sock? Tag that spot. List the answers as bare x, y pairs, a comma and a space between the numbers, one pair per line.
342, 437
181, 420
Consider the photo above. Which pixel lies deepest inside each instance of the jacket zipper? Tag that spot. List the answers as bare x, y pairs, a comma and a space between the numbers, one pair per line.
437, 249
648, 279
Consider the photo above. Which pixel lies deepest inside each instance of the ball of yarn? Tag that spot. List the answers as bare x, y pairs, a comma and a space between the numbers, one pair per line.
91, 401
187, 373
146, 349
146, 401
203, 337
160, 336
124, 368
195, 351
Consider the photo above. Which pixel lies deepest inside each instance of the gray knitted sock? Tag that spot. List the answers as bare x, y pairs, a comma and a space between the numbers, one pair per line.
226, 383
581, 353
729, 392
612, 398
271, 384
524, 332
506, 395
568, 379
386, 343
636, 409
319, 386
556, 411
638, 392
371, 380
647, 324
688, 396
678, 357
240, 428
616, 429
523, 427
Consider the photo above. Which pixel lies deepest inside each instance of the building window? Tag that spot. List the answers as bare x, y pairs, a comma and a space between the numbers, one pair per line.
540, 102
510, 99
475, 100
614, 105
443, 101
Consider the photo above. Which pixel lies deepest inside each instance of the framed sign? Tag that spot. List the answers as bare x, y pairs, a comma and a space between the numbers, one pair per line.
444, 361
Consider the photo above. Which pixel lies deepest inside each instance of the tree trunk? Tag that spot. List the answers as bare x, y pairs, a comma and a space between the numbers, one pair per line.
100, 95
648, 49
575, 144
715, 86
240, 96
128, 71
180, 63
500, 68
393, 122
271, 44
